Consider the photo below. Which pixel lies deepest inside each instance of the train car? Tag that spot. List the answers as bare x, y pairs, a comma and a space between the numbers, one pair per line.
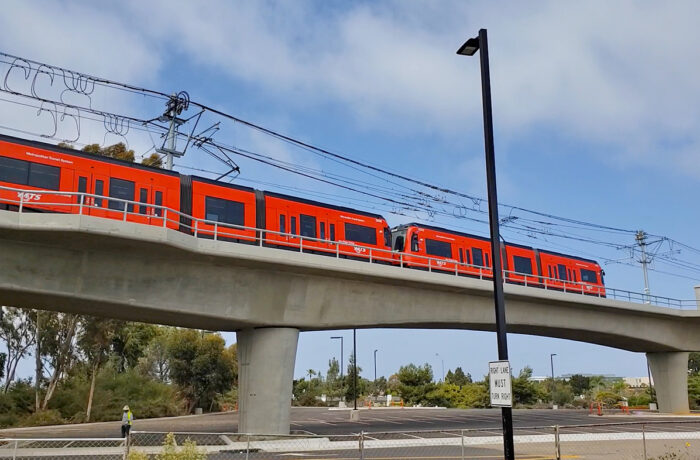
36, 166
326, 229
571, 273
440, 249
230, 212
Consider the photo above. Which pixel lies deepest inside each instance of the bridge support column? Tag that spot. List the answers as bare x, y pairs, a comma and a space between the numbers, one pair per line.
265, 373
669, 371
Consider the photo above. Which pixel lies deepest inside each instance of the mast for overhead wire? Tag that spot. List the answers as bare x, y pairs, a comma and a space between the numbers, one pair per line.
641, 238
174, 107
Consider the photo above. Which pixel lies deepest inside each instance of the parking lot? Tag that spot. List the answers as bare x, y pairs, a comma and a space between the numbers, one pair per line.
324, 421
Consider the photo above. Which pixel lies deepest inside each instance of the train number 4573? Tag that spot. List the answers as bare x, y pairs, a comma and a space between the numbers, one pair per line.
27, 196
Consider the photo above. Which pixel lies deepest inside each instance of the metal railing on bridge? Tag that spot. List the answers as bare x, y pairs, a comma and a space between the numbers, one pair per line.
156, 215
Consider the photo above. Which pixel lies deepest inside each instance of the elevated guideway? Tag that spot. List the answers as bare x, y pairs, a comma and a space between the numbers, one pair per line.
131, 271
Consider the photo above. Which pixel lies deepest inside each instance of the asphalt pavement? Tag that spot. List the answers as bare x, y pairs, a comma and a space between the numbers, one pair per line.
324, 421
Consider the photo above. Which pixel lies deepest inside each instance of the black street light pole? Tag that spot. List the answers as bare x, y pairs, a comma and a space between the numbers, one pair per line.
375, 365
341, 355
551, 362
354, 368
469, 48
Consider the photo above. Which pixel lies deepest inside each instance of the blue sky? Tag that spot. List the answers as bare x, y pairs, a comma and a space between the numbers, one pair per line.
596, 113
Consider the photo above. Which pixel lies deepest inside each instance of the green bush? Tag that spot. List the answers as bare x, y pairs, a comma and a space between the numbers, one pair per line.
188, 451
44, 418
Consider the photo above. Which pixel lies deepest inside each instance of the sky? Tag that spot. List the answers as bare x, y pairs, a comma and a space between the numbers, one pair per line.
596, 109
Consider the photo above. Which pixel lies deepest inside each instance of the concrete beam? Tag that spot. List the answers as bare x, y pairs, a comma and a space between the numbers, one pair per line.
266, 360
670, 375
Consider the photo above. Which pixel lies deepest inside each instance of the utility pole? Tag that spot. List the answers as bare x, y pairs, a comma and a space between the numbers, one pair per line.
641, 238
174, 107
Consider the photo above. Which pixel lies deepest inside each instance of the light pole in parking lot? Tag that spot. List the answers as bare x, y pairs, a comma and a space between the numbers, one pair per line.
341, 355
551, 362
375, 365
469, 48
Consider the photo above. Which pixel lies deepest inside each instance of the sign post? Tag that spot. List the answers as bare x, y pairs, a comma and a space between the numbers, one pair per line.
500, 384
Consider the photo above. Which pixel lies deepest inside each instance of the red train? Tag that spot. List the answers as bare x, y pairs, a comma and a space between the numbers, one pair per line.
439, 249
232, 212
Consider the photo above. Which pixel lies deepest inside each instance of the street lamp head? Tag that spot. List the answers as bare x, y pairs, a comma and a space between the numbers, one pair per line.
470, 47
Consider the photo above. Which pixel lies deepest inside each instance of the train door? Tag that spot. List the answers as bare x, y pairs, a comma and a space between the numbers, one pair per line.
322, 232
159, 214
82, 182
99, 184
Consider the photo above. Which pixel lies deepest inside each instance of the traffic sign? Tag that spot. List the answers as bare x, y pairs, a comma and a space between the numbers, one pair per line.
500, 384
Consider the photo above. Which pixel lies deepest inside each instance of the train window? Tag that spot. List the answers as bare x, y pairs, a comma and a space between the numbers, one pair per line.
562, 272
323, 230
283, 227
575, 277
331, 230
461, 255
438, 248
414, 242
360, 234
99, 191
143, 198
588, 276
398, 243
486, 260
28, 173
468, 256
226, 211
82, 188
307, 226
123, 189
293, 225
15, 171
522, 265
44, 176
159, 202
478, 257
387, 237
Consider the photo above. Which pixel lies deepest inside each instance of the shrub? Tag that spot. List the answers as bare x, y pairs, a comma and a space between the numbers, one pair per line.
188, 451
43, 418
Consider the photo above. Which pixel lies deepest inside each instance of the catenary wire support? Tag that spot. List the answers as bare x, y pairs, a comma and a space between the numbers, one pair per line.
175, 106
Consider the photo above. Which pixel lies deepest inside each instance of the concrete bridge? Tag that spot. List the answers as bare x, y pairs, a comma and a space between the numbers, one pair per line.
89, 265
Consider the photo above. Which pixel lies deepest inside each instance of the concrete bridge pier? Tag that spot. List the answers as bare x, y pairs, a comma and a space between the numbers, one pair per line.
266, 358
669, 371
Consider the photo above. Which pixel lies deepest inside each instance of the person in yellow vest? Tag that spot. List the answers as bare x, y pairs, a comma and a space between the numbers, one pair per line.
127, 419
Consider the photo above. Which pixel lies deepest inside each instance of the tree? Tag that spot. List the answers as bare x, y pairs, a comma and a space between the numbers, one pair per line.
579, 384
94, 341
154, 160
120, 152
57, 347
415, 382
130, 342
458, 377
524, 390
155, 361
18, 332
200, 365
361, 387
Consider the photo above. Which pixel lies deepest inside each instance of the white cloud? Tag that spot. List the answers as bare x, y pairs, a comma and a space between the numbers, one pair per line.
617, 74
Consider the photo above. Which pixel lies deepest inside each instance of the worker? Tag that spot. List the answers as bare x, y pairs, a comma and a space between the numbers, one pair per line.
127, 419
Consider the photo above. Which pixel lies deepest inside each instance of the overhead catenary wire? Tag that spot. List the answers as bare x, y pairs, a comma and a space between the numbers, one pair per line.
403, 193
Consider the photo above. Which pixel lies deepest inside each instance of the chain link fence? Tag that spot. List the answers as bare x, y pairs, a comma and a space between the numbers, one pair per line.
647, 441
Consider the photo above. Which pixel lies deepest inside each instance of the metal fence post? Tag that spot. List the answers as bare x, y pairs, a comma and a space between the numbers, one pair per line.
557, 444
127, 445
462, 439
247, 447
362, 444
644, 442
14, 453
